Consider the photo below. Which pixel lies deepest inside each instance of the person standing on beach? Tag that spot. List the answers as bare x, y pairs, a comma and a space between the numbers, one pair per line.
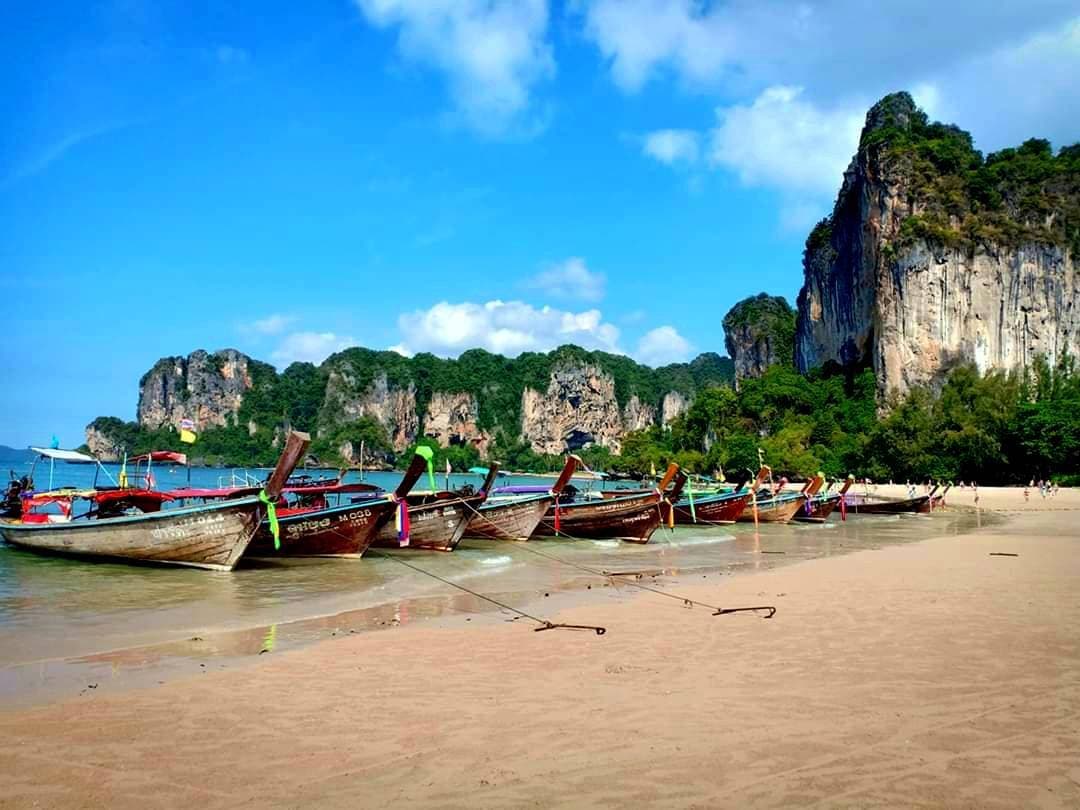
975, 489
1027, 494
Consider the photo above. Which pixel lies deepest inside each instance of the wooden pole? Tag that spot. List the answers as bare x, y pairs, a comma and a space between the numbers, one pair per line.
412, 475
565, 475
296, 444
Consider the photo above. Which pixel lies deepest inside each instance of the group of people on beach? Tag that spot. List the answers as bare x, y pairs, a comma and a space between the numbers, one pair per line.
1046, 488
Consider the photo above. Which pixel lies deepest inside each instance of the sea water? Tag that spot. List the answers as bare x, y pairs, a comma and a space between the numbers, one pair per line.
65, 621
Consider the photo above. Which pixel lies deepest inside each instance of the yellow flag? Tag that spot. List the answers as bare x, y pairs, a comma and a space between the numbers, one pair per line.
187, 436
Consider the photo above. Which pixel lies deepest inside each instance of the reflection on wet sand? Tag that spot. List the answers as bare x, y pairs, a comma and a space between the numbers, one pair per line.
69, 626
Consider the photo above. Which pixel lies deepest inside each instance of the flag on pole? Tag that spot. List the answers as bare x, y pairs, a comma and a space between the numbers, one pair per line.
187, 431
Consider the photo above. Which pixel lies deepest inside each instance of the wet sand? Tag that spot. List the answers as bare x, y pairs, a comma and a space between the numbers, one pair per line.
930, 674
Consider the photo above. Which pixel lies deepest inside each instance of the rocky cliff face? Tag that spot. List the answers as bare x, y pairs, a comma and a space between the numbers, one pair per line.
102, 445
934, 256
451, 419
206, 388
673, 405
393, 407
568, 399
578, 409
759, 332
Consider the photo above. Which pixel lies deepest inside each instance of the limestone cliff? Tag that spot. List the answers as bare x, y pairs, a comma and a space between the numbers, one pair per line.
206, 388
935, 255
103, 445
674, 404
394, 407
562, 400
759, 332
578, 409
451, 419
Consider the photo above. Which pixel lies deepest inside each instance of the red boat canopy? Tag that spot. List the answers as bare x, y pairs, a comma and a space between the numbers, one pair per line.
222, 492
160, 455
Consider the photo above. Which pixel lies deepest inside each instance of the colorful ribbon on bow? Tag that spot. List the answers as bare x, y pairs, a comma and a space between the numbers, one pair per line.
271, 515
401, 523
428, 455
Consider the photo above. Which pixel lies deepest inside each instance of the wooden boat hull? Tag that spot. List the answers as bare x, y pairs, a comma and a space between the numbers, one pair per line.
773, 511
633, 519
514, 519
920, 504
210, 536
348, 529
711, 509
435, 526
820, 509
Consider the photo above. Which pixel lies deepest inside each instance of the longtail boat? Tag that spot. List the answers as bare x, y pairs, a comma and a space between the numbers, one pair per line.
131, 525
633, 518
716, 508
310, 526
515, 517
869, 505
436, 520
818, 509
778, 507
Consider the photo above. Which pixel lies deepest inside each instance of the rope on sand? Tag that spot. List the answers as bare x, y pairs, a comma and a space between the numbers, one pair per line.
717, 611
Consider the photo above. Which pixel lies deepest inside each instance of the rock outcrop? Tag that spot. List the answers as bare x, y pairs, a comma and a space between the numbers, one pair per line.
674, 404
577, 410
934, 256
638, 415
451, 419
759, 332
393, 407
206, 388
102, 445
561, 401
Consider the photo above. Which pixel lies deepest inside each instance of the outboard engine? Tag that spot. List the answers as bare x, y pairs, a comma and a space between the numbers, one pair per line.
11, 505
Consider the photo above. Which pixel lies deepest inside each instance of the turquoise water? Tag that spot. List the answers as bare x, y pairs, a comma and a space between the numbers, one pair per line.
61, 618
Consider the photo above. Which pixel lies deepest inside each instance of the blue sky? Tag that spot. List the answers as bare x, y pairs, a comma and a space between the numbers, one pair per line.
290, 179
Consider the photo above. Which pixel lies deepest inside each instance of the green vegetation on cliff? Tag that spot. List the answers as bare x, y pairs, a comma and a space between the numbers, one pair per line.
298, 398
1025, 194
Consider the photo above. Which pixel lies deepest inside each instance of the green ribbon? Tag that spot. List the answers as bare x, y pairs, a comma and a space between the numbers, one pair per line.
690, 494
271, 515
428, 455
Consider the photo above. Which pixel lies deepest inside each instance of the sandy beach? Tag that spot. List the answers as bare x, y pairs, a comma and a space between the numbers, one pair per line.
936, 674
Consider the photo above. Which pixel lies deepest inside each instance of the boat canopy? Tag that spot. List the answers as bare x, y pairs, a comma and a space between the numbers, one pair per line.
478, 470
64, 455
160, 455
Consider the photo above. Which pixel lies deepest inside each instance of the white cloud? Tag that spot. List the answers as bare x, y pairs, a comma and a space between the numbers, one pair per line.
783, 141
504, 327
1004, 70
570, 279
309, 347
672, 146
639, 36
271, 325
493, 52
661, 346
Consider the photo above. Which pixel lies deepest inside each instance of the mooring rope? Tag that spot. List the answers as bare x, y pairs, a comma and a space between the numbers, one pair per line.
717, 611
544, 623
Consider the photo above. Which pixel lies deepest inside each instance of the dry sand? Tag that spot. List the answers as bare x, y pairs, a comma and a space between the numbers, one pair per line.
926, 675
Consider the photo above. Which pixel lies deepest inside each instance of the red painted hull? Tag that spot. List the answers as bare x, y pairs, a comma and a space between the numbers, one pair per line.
338, 530
711, 510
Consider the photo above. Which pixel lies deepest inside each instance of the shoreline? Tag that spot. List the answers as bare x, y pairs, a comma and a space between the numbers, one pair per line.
928, 674
233, 642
